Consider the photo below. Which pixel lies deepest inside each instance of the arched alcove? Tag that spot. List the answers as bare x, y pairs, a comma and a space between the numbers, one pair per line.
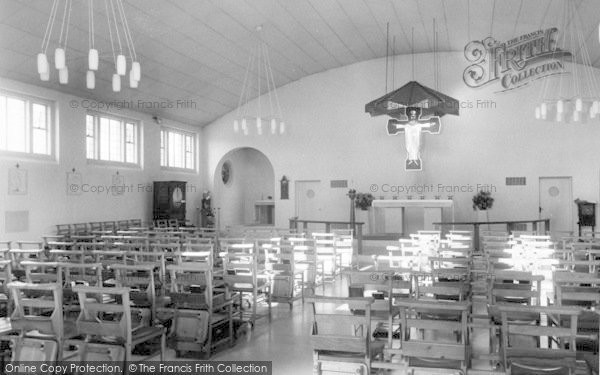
243, 177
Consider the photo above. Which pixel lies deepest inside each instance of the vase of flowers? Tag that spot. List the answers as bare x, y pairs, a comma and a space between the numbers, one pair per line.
482, 203
364, 200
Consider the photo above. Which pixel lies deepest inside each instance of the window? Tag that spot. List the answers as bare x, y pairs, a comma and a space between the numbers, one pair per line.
177, 149
25, 124
110, 138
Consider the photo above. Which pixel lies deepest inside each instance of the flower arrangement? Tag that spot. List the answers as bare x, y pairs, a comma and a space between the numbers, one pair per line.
483, 200
364, 200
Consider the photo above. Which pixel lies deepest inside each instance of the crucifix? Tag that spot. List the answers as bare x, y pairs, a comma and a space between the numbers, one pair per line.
412, 126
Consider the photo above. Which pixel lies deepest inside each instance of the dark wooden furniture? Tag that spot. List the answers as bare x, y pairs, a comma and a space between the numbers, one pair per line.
169, 200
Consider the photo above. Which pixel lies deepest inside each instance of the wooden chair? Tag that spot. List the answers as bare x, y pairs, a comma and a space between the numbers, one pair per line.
434, 334
344, 245
326, 252
26, 250
105, 322
38, 314
287, 281
243, 275
87, 274
305, 259
582, 290
515, 287
6, 277
382, 286
142, 280
64, 230
341, 341
192, 289
79, 229
523, 356
37, 272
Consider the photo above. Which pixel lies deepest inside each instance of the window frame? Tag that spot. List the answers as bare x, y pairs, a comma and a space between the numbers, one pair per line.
50, 138
164, 149
123, 122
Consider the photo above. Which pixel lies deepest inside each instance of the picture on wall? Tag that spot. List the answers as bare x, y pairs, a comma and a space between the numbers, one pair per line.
74, 182
17, 181
118, 184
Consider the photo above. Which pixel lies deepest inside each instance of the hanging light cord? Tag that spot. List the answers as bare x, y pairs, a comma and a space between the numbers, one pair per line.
68, 22
112, 45
49, 26
91, 23
121, 11
270, 87
112, 6
62, 26
277, 103
244, 87
127, 29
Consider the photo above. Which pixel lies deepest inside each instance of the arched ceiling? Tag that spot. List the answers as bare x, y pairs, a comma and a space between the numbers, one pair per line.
196, 51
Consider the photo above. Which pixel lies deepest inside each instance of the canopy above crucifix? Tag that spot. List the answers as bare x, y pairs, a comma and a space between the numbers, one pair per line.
413, 94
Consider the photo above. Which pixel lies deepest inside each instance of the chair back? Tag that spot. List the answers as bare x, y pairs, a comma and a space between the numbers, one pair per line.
30, 300
105, 312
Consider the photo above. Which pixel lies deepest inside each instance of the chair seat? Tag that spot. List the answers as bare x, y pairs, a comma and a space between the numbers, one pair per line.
145, 333
434, 363
243, 287
329, 355
545, 366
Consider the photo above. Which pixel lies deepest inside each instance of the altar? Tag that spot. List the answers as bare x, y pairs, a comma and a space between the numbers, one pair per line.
264, 212
407, 216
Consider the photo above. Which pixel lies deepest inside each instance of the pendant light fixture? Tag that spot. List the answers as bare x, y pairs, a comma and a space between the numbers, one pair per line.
259, 84
120, 37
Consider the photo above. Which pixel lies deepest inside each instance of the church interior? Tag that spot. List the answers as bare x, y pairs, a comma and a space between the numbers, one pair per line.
300, 186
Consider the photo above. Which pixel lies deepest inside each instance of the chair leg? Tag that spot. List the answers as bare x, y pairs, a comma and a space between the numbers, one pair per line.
163, 344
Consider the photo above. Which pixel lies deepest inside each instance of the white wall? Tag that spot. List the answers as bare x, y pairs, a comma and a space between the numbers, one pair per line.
331, 137
47, 201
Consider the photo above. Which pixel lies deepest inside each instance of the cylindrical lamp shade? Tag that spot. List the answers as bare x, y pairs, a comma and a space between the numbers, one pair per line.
59, 58
133, 83
63, 76
282, 127
544, 110
236, 126
116, 82
93, 59
537, 113
90, 80
244, 126
578, 104
576, 116
259, 125
594, 109
121, 65
45, 76
560, 106
137, 70
273, 126
42, 63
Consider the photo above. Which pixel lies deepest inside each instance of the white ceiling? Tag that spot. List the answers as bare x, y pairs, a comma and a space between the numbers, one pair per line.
197, 50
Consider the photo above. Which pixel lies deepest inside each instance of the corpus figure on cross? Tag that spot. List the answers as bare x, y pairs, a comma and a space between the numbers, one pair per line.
413, 126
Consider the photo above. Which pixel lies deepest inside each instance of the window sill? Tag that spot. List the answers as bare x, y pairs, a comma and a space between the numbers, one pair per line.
107, 163
29, 157
178, 170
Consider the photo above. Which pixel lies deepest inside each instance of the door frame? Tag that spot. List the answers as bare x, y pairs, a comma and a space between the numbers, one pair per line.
570, 178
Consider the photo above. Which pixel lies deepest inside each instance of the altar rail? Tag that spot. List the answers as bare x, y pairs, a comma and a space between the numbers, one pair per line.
510, 226
358, 231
